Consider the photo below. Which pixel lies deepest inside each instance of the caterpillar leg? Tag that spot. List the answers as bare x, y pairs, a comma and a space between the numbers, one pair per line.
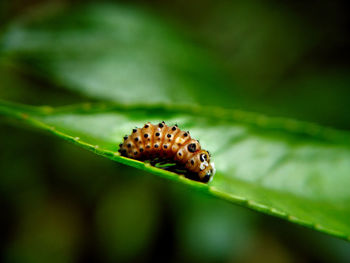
154, 162
174, 167
192, 176
164, 165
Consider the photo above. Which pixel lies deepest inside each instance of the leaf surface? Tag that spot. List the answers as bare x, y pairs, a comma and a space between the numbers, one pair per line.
294, 170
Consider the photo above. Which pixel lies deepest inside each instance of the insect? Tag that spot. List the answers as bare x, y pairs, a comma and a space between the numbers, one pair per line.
168, 144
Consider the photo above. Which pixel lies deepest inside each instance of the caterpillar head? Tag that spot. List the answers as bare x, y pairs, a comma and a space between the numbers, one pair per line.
206, 168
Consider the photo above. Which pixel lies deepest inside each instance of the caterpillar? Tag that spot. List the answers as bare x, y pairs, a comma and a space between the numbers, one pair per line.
169, 144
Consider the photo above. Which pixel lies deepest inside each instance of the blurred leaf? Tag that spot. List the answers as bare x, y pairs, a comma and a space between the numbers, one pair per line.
127, 220
115, 53
48, 232
217, 229
293, 170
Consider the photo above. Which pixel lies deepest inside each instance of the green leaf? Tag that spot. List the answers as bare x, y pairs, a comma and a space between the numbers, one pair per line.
293, 170
116, 53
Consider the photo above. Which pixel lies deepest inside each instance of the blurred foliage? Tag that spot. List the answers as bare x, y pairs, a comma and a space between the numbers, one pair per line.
60, 203
281, 55
134, 56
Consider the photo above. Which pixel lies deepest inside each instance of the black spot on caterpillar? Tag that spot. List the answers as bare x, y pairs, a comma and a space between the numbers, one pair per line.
152, 143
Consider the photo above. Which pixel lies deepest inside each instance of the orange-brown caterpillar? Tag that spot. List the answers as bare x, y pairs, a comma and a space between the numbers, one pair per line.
169, 144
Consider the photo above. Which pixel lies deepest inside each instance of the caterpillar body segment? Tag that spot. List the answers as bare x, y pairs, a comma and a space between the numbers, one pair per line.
169, 144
